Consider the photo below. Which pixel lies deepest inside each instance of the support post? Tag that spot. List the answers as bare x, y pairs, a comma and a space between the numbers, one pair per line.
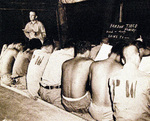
120, 14
62, 24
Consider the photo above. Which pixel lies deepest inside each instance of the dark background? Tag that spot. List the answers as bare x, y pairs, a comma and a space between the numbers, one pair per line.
86, 20
14, 15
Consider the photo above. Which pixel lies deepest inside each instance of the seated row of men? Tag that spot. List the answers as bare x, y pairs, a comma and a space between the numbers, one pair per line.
16, 57
110, 89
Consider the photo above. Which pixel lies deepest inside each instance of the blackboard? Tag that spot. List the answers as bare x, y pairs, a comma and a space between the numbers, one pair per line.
121, 31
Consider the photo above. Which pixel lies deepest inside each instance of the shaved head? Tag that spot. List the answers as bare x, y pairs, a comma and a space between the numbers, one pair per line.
131, 53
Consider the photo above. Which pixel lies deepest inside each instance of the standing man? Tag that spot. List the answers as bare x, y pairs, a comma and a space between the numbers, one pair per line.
130, 89
75, 84
100, 107
34, 28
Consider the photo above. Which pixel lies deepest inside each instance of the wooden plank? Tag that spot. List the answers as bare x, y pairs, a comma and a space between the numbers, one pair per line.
17, 106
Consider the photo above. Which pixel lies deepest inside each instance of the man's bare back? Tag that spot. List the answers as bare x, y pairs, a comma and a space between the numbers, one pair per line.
75, 73
100, 71
7, 61
75, 76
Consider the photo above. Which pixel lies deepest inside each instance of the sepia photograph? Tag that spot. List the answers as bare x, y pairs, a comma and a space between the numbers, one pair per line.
74, 60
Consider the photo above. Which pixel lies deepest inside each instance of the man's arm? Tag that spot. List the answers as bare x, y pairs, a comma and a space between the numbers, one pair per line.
43, 31
15, 53
26, 31
90, 73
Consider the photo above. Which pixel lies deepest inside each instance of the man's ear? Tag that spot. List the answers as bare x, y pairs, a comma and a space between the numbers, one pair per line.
141, 51
87, 53
123, 61
36, 17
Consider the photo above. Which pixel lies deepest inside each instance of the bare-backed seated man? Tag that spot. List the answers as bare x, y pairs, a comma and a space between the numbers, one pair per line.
75, 96
100, 71
7, 62
130, 89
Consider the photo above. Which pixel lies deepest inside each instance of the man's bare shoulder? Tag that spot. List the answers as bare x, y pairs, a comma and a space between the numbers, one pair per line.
96, 64
117, 73
67, 62
100, 64
12, 50
86, 61
77, 62
90, 60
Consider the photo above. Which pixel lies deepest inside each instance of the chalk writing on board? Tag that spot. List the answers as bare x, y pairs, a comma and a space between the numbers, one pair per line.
121, 31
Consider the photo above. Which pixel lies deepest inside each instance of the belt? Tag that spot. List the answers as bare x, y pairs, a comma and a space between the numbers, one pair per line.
50, 87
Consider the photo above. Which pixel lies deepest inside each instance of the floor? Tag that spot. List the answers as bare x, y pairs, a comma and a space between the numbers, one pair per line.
15, 105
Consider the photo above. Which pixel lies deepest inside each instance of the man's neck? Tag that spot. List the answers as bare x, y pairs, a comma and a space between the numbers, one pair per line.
47, 50
113, 56
79, 55
131, 65
33, 22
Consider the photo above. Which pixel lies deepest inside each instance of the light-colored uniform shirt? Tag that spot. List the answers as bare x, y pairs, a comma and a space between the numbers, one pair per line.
35, 70
52, 73
130, 93
21, 64
35, 30
145, 64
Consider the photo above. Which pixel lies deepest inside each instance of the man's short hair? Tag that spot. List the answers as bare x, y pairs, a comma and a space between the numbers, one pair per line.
48, 42
119, 47
34, 44
82, 47
69, 43
139, 44
32, 12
